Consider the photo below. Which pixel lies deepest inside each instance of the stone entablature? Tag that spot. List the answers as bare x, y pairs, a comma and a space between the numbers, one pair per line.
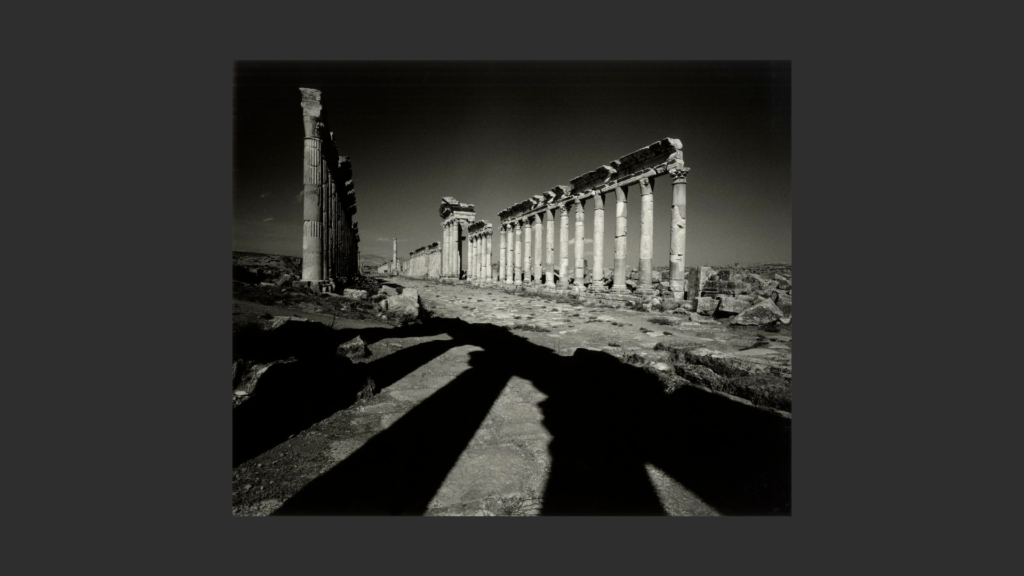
330, 237
639, 168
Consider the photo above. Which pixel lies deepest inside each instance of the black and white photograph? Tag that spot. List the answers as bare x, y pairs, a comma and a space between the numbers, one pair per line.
511, 288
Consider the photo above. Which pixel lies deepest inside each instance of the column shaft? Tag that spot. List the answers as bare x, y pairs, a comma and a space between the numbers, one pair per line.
502, 246
597, 270
619, 277
510, 264
646, 230
549, 268
579, 243
538, 245
563, 246
517, 268
527, 254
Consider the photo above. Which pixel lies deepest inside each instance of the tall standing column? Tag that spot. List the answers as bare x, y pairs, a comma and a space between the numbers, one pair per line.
579, 204
549, 272
646, 231
394, 256
563, 246
517, 268
457, 251
597, 271
312, 156
527, 259
444, 249
538, 245
619, 277
510, 264
502, 246
489, 273
471, 258
677, 256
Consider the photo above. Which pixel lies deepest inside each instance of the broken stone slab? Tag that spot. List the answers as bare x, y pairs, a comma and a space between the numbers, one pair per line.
706, 305
720, 362
759, 314
388, 291
284, 279
730, 306
354, 294
354, 348
278, 321
404, 307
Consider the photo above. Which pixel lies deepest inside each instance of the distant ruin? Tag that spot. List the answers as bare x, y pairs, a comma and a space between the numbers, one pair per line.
330, 238
518, 268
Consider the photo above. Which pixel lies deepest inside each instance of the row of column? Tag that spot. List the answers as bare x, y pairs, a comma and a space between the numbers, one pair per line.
516, 266
480, 257
451, 249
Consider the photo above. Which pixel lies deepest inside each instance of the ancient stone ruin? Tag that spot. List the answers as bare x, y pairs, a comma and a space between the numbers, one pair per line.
455, 219
480, 252
330, 238
424, 262
522, 237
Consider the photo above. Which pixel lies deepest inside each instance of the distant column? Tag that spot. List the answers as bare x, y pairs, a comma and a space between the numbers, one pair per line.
677, 256
457, 252
489, 274
619, 277
563, 246
394, 256
502, 246
579, 204
517, 269
538, 245
445, 251
510, 264
597, 271
646, 231
471, 264
527, 254
312, 180
549, 272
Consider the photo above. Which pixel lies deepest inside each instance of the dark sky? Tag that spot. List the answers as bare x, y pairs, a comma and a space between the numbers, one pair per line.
495, 133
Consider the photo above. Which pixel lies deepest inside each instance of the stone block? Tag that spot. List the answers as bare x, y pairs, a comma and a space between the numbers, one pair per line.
706, 305
729, 306
764, 312
354, 348
354, 294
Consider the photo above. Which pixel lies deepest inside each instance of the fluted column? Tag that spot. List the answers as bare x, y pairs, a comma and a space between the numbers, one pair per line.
517, 268
619, 276
445, 250
563, 246
502, 246
527, 253
549, 266
312, 180
538, 245
510, 264
646, 231
488, 259
578, 258
597, 270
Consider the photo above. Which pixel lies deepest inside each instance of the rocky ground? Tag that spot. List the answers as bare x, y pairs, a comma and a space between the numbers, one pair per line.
484, 402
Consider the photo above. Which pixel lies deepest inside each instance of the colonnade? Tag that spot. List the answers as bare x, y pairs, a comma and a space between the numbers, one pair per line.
479, 242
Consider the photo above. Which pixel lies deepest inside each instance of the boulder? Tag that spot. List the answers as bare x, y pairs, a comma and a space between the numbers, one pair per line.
785, 304
759, 314
631, 284
655, 275
404, 307
730, 306
670, 304
706, 305
354, 348
388, 291
354, 294
284, 279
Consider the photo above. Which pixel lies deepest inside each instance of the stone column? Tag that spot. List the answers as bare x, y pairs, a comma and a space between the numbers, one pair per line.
538, 245
597, 270
517, 267
579, 204
488, 269
619, 277
471, 258
394, 256
312, 180
502, 246
549, 273
445, 251
527, 254
457, 252
563, 247
510, 264
677, 256
646, 231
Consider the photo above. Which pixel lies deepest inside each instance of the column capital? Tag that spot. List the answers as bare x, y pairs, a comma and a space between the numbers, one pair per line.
519, 224
579, 203
563, 209
645, 185
678, 173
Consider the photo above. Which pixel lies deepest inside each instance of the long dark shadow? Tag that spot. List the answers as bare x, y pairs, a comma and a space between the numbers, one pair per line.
398, 471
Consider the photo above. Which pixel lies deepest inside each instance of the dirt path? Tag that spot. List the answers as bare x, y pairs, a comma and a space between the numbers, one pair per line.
474, 418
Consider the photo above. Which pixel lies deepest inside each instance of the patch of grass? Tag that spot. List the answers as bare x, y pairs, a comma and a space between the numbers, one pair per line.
529, 328
668, 333
660, 320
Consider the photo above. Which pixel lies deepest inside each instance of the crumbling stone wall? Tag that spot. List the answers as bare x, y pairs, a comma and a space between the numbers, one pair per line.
330, 237
424, 262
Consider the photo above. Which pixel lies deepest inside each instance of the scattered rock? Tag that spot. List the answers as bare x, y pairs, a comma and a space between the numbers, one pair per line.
354, 348
764, 312
706, 305
278, 321
662, 367
730, 306
354, 294
404, 307
285, 278
388, 291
